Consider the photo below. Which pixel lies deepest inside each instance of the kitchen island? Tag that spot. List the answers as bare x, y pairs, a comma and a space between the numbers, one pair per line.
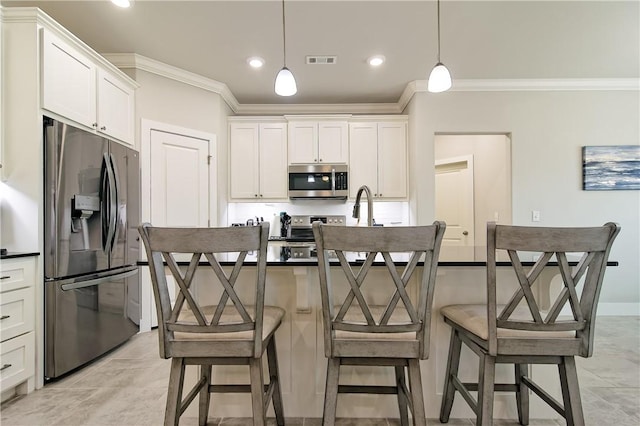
293, 284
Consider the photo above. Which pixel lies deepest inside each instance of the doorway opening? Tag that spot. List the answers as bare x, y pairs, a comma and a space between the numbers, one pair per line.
473, 187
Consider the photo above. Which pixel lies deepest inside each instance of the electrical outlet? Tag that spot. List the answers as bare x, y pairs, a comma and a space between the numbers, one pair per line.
535, 216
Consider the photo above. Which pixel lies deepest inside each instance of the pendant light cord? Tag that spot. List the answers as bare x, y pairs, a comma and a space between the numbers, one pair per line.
438, 29
284, 38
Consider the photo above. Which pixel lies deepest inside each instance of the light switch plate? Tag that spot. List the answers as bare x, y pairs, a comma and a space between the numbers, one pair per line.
535, 216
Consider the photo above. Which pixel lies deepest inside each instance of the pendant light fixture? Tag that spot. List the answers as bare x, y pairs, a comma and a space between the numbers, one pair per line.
285, 83
440, 78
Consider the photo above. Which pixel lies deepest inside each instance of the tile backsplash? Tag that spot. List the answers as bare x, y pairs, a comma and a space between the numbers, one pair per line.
388, 213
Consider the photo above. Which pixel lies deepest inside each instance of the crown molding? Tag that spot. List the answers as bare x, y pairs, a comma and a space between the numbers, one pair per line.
529, 85
132, 60
139, 62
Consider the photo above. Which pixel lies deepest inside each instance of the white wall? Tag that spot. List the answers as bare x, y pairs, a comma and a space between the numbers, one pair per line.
548, 130
168, 101
491, 176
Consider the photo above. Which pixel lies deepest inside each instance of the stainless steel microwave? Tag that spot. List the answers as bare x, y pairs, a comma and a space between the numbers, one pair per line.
318, 181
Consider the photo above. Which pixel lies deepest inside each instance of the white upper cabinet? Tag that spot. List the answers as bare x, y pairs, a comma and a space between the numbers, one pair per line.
313, 142
75, 87
115, 107
258, 160
378, 158
68, 81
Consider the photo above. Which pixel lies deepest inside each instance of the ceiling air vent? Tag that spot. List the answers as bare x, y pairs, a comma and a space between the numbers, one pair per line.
322, 60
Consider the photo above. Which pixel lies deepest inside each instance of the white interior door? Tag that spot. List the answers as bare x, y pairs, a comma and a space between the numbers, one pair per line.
179, 187
454, 205
179, 180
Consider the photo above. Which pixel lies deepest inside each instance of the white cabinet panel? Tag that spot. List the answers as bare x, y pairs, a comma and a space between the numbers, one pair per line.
68, 81
363, 157
392, 160
115, 107
273, 160
318, 142
303, 142
244, 159
258, 160
333, 142
378, 158
17, 360
16, 313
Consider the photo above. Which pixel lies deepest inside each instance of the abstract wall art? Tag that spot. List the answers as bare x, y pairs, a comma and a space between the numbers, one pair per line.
611, 167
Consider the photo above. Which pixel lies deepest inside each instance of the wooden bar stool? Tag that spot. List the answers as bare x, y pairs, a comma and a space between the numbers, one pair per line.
360, 333
519, 333
229, 333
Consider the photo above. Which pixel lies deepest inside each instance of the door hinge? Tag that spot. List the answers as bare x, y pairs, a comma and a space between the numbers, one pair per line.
209, 223
209, 159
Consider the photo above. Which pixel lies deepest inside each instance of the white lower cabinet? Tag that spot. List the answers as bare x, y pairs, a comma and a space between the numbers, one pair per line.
378, 158
258, 160
17, 319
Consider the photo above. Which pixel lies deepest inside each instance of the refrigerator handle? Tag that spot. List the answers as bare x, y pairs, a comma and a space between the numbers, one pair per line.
104, 202
114, 213
109, 199
96, 281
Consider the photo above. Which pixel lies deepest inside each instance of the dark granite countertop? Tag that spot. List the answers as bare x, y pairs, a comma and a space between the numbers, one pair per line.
17, 254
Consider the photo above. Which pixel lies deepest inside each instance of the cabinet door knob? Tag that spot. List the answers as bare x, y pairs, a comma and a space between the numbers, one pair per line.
255, 195
465, 233
321, 160
103, 128
94, 125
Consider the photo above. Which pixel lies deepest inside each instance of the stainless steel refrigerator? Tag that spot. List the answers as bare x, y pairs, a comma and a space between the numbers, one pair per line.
92, 210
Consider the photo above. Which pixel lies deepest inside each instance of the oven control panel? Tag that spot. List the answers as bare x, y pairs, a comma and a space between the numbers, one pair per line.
306, 221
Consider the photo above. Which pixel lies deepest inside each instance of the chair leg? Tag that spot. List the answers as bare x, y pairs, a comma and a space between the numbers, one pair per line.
449, 392
174, 392
402, 397
570, 391
331, 392
205, 396
522, 393
274, 379
257, 391
486, 384
417, 400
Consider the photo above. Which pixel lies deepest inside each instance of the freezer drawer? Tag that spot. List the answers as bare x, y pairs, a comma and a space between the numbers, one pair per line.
85, 319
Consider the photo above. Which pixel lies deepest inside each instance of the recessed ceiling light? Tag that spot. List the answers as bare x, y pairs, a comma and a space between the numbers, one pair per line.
121, 3
255, 62
376, 61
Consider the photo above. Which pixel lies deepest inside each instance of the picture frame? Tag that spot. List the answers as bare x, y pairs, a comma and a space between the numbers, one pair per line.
611, 167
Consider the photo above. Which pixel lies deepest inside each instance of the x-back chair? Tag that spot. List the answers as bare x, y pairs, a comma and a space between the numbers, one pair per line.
520, 332
395, 335
229, 333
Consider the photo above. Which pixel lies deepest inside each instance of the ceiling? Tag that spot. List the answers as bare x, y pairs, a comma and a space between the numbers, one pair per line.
499, 40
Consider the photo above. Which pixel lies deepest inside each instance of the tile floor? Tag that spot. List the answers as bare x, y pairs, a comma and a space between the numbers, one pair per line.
107, 391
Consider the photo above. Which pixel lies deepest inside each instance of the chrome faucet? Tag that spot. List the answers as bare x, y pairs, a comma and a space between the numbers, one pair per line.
356, 207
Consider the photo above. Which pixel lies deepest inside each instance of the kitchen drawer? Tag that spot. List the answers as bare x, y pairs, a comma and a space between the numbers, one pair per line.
16, 313
17, 273
17, 360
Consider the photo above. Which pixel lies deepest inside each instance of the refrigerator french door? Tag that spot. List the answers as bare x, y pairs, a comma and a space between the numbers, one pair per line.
92, 289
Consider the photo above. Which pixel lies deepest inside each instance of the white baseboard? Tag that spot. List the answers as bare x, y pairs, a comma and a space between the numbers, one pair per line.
618, 309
